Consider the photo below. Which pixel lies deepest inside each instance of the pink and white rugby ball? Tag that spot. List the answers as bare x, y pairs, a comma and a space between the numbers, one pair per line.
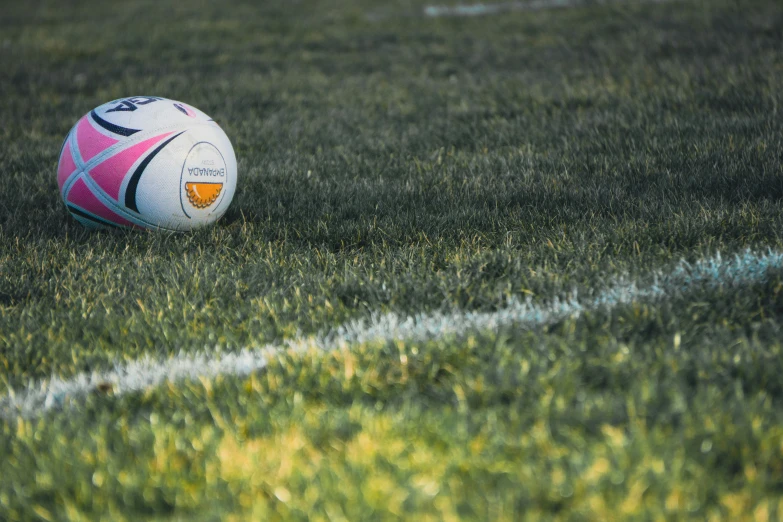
147, 162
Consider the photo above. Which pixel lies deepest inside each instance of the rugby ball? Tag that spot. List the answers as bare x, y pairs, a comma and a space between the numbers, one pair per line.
147, 162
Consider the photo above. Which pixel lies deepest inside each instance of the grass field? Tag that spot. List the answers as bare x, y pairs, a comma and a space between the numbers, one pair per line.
526, 265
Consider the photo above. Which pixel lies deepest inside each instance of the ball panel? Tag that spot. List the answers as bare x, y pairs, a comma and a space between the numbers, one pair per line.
87, 205
90, 141
203, 154
66, 166
204, 175
141, 113
157, 191
133, 181
88, 221
110, 173
114, 129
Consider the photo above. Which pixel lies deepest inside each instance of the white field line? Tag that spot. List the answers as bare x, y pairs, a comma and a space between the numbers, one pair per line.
740, 270
482, 9
437, 11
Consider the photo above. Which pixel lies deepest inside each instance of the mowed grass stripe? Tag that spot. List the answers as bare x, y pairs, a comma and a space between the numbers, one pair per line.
484, 9
740, 270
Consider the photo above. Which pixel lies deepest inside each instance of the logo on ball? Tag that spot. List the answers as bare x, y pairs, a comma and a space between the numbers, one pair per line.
203, 176
202, 195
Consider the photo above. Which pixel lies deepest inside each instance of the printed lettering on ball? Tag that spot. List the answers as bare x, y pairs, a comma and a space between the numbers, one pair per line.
147, 162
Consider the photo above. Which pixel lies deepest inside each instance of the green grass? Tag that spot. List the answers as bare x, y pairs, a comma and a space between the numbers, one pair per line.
395, 163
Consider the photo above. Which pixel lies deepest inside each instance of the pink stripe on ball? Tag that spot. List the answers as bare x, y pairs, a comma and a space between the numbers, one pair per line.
81, 196
90, 141
66, 166
110, 173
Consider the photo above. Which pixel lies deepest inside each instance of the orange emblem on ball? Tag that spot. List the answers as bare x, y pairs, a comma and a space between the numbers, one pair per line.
202, 195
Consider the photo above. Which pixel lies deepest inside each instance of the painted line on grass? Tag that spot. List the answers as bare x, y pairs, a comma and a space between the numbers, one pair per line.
438, 11
482, 9
714, 272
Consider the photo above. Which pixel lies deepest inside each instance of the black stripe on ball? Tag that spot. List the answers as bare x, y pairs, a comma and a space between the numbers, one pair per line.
116, 129
133, 184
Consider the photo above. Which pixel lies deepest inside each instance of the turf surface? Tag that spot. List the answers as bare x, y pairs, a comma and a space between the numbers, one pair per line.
391, 162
